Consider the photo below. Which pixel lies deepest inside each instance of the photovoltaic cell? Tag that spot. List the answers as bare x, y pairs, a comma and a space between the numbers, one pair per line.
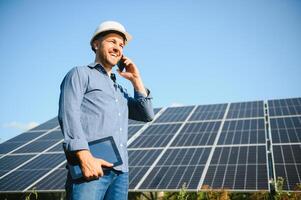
238, 168
30, 172
139, 162
243, 132
143, 157
10, 162
284, 107
25, 137
246, 110
286, 130
7, 147
287, 159
18, 141
53, 135
176, 168
44, 161
19, 180
134, 122
155, 136
54, 181
57, 148
197, 134
132, 130
208, 112
50, 124
174, 114
42, 143
36, 146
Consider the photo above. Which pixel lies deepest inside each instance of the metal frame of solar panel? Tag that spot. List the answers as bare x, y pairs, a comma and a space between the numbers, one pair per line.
219, 146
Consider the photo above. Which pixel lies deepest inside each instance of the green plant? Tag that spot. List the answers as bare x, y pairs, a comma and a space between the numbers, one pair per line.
29, 195
183, 195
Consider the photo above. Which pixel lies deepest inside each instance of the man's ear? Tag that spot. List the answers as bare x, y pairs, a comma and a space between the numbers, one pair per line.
95, 44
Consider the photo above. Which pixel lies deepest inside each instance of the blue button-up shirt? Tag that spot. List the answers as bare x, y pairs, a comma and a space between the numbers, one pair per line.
93, 106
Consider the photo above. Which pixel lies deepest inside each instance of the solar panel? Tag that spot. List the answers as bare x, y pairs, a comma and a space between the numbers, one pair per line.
42, 143
286, 130
25, 137
18, 141
12, 161
24, 176
57, 148
54, 181
246, 110
6, 147
208, 112
156, 136
282, 107
139, 162
219, 146
174, 114
177, 167
287, 160
132, 130
243, 132
197, 134
134, 122
50, 124
238, 168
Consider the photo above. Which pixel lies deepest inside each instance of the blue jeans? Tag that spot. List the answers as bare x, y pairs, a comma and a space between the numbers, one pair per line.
112, 186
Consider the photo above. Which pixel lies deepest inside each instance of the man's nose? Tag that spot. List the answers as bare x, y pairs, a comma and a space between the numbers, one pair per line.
117, 49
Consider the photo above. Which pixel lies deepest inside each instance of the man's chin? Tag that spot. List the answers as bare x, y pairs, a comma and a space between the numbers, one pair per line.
113, 62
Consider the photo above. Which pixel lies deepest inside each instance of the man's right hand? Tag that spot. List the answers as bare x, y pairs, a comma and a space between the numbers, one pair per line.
91, 167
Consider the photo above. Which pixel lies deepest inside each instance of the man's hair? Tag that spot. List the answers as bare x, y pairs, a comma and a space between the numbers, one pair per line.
102, 34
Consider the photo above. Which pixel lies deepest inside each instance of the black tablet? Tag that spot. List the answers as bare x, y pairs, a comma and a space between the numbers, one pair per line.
104, 148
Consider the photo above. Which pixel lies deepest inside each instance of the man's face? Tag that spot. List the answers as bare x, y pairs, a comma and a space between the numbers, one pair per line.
109, 49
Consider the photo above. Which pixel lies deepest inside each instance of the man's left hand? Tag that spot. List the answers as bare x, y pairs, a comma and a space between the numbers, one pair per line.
132, 74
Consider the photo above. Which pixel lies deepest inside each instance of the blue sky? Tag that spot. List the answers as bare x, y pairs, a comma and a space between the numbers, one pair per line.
188, 52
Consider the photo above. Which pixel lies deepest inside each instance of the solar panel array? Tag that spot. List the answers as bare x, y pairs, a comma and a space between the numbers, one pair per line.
233, 146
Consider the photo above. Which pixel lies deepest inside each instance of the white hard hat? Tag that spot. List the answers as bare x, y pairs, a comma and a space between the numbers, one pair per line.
111, 26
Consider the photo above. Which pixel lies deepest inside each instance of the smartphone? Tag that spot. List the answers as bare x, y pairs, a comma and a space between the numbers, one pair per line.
121, 65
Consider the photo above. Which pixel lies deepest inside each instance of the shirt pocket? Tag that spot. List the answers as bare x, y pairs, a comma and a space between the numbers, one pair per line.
99, 88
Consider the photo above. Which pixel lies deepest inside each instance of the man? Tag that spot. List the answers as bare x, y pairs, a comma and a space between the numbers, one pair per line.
93, 106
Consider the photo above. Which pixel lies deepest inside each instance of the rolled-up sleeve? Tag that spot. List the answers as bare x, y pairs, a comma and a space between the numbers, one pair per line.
140, 107
71, 96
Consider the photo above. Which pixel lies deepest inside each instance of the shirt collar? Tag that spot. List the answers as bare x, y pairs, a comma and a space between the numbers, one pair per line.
100, 68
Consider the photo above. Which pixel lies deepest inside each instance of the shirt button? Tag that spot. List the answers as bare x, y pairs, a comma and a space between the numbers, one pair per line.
116, 100
120, 129
119, 114
121, 145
